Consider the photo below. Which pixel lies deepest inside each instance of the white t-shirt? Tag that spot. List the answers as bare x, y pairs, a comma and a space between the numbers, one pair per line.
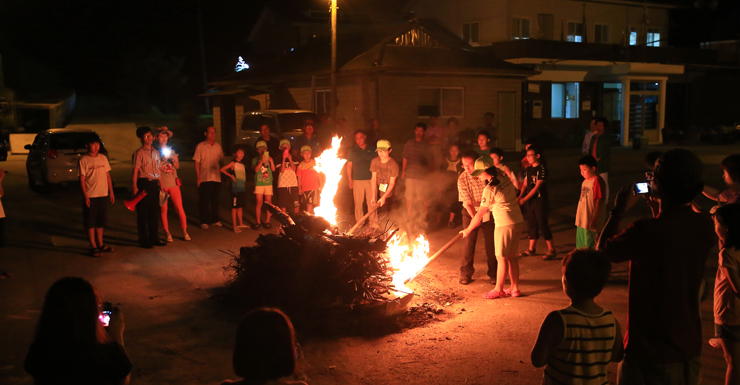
94, 169
287, 176
501, 200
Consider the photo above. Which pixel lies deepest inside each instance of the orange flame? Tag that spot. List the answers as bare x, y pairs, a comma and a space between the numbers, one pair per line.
407, 258
330, 165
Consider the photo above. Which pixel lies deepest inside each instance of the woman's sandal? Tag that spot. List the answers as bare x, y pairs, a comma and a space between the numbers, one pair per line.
493, 294
95, 252
513, 293
106, 249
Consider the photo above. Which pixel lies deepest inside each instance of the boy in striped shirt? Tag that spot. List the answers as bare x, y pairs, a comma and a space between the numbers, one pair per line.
577, 343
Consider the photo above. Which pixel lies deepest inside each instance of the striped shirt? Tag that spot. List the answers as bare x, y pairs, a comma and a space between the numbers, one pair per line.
582, 357
148, 161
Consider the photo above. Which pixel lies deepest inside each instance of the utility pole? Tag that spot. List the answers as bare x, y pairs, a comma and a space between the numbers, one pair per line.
333, 91
203, 59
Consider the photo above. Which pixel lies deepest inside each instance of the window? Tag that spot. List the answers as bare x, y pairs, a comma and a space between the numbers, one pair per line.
565, 100
443, 101
633, 36
653, 37
575, 32
601, 33
643, 107
323, 101
545, 26
471, 32
520, 28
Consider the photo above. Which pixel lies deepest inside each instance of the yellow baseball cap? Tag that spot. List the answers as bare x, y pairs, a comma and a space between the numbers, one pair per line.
260, 144
383, 145
284, 142
482, 164
306, 148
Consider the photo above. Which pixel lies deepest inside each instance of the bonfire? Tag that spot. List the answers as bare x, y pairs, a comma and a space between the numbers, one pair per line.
310, 262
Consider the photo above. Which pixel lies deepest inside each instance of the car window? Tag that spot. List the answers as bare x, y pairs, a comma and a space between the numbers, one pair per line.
251, 122
295, 122
70, 140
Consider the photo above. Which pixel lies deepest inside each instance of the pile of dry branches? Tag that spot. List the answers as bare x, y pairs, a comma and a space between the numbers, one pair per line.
305, 266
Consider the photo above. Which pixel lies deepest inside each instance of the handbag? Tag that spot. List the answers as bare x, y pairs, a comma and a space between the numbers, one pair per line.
163, 196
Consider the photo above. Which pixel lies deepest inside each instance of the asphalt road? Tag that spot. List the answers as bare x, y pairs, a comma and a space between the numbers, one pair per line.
176, 333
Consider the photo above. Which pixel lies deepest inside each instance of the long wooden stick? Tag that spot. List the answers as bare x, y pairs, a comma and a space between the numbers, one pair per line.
363, 219
435, 256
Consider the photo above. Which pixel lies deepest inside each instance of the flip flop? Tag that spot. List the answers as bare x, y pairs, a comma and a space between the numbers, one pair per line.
95, 252
493, 294
237, 230
106, 249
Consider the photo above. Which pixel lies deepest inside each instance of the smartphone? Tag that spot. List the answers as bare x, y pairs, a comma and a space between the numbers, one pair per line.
104, 316
642, 188
266, 155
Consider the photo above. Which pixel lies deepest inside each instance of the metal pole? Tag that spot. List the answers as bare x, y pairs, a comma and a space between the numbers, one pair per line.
333, 96
435, 256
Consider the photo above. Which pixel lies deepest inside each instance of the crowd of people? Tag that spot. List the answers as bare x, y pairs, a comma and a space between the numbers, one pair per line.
667, 251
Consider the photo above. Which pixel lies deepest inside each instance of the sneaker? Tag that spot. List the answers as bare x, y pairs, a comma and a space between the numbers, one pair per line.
204, 226
217, 224
550, 255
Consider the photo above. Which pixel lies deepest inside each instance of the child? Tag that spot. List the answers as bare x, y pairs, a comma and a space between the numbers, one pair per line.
451, 169
263, 168
727, 289
94, 172
731, 176
484, 137
238, 188
497, 154
577, 343
308, 180
534, 195
385, 172
591, 212
287, 181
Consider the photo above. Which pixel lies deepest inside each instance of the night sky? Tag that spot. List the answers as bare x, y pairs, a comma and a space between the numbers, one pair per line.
95, 46
85, 44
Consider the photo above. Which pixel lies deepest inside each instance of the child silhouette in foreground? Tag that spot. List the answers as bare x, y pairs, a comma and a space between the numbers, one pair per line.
265, 351
576, 344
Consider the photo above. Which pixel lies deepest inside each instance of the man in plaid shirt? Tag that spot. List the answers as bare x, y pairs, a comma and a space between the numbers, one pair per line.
470, 190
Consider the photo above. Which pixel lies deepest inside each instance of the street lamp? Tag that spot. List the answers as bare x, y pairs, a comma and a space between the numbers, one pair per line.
333, 78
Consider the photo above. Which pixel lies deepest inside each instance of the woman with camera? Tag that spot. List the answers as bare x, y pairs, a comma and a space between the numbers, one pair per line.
500, 197
170, 183
72, 345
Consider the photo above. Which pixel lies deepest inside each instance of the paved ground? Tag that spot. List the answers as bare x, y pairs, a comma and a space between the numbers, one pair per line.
175, 332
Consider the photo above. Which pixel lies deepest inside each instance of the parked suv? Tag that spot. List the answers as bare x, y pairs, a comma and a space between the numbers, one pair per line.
284, 124
54, 155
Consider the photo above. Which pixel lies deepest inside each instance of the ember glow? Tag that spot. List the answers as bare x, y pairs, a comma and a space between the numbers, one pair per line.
330, 165
407, 258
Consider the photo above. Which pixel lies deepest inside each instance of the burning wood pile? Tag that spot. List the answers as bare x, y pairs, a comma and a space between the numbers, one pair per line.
309, 264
